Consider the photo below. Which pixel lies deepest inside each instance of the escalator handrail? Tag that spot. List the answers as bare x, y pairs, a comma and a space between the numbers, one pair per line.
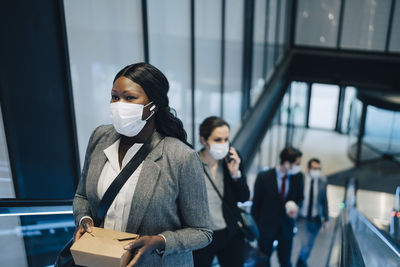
350, 251
347, 244
378, 233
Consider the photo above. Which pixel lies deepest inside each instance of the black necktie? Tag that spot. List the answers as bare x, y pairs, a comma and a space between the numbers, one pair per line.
310, 200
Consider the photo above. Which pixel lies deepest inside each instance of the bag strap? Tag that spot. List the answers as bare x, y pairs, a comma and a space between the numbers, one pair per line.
124, 175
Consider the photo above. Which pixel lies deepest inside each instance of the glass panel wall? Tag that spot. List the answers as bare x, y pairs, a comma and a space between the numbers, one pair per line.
382, 130
102, 39
365, 24
232, 96
270, 40
298, 103
34, 240
6, 181
207, 61
272, 20
323, 106
394, 45
259, 35
169, 50
349, 96
317, 22
293, 113
283, 28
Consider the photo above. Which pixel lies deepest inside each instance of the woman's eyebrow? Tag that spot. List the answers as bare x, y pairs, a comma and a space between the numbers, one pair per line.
130, 91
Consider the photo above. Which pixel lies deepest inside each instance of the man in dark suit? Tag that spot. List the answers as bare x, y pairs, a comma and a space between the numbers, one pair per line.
277, 194
314, 212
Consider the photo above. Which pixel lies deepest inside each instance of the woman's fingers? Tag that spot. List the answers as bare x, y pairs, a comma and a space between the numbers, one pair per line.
143, 247
78, 234
136, 258
234, 155
87, 225
233, 151
135, 247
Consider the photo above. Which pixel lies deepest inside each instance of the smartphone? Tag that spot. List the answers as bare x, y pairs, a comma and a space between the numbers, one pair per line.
229, 156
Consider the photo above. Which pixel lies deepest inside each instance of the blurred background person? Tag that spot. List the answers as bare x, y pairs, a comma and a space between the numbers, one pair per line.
314, 211
222, 165
277, 195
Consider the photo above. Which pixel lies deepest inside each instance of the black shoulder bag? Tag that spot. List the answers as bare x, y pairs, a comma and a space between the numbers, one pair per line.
64, 258
245, 221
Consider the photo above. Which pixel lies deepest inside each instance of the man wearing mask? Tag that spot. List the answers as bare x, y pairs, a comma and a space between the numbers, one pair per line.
277, 194
314, 211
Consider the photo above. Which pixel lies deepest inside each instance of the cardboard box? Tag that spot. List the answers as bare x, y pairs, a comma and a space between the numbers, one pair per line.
102, 247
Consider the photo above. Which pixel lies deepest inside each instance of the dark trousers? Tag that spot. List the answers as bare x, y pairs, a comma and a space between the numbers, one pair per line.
284, 249
309, 229
228, 249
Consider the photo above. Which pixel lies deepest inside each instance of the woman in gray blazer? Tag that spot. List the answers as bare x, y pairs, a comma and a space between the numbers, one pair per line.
165, 199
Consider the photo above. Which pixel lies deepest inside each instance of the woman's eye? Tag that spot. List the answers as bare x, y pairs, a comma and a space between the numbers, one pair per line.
130, 98
218, 140
114, 97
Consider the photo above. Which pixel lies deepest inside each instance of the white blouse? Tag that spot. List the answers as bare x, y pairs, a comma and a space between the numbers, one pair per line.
118, 213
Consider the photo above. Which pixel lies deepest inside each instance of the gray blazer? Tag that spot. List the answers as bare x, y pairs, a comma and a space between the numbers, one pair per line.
170, 197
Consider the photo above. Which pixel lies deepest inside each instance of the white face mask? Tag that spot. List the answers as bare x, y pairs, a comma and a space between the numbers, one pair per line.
219, 151
295, 169
127, 117
315, 173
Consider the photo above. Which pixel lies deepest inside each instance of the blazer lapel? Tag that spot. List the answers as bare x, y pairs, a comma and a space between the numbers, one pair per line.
144, 190
275, 184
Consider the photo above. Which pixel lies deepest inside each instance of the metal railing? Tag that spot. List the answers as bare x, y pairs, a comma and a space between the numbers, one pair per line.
28, 207
360, 242
394, 228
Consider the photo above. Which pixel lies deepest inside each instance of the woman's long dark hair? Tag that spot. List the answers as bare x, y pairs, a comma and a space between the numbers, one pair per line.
156, 87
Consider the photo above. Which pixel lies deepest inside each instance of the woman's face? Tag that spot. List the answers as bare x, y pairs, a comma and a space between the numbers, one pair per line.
127, 91
219, 135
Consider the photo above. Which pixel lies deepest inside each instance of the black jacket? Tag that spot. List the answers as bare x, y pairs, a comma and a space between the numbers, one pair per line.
268, 210
235, 190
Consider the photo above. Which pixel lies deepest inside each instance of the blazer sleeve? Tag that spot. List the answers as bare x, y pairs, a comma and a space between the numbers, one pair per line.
258, 197
194, 212
80, 204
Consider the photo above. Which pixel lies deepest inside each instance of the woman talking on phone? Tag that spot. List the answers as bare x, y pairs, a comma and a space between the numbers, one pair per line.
224, 178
